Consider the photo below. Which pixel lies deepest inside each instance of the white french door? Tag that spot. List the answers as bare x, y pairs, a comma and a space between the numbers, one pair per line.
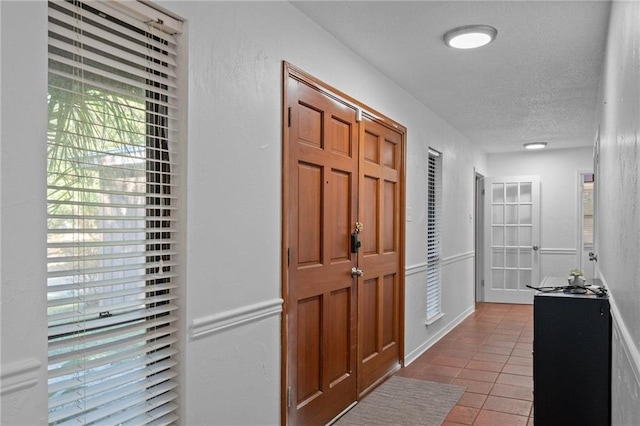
512, 234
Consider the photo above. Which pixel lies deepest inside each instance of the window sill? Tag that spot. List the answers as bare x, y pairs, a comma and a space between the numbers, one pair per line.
433, 319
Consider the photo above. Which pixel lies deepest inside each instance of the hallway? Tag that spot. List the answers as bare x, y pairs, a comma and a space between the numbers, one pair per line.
489, 353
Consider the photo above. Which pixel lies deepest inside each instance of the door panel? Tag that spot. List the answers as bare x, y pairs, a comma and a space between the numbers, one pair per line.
368, 315
309, 334
370, 192
310, 208
340, 202
338, 360
389, 213
512, 207
321, 308
389, 302
378, 325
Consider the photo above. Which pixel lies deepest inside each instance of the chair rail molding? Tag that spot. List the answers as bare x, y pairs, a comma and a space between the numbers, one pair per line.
415, 269
216, 323
446, 261
19, 375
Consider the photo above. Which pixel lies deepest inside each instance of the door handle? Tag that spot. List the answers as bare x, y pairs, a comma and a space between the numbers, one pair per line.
355, 272
536, 248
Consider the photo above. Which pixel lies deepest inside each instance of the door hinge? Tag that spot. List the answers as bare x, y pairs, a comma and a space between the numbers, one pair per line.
288, 257
289, 397
483, 192
289, 117
482, 283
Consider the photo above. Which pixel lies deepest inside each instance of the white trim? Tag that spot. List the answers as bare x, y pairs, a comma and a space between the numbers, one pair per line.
19, 375
630, 349
408, 359
422, 267
434, 318
149, 14
446, 261
434, 152
561, 251
580, 217
234, 317
415, 269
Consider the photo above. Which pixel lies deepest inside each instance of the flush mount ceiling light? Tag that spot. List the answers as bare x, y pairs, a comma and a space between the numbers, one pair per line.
470, 36
535, 145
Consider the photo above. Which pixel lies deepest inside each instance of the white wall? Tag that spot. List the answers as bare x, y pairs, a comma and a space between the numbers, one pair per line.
618, 203
232, 297
558, 170
23, 217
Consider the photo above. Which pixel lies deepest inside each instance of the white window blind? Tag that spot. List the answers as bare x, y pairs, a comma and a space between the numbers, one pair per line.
434, 202
112, 200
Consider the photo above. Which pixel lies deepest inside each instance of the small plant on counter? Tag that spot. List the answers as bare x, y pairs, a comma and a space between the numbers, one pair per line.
576, 278
576, 273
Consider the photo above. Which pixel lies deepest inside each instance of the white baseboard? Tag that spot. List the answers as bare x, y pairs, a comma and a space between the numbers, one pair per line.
408, 359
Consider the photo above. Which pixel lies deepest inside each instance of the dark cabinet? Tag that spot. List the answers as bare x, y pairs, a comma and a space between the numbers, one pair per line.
571, 359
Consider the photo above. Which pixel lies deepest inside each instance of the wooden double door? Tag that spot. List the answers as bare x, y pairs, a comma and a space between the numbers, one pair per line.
343, 188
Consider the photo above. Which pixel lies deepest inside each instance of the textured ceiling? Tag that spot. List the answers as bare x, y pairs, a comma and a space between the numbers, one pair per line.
538, 81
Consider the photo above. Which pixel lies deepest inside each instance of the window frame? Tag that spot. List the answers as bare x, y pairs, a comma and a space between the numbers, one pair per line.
434, 247
146, 323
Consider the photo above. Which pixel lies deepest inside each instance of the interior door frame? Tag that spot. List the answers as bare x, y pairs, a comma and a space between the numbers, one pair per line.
580, 245
478, 223
289, 70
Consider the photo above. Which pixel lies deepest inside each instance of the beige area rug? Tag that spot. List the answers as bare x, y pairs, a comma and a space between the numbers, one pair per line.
402, 401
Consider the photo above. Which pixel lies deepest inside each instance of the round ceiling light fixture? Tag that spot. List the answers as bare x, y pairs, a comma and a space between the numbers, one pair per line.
470, 36
535, 145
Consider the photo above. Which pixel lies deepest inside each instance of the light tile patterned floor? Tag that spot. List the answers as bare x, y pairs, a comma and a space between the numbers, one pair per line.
489, 354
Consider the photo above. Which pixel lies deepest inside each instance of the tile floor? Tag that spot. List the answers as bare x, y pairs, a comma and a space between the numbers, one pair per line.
489, 353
